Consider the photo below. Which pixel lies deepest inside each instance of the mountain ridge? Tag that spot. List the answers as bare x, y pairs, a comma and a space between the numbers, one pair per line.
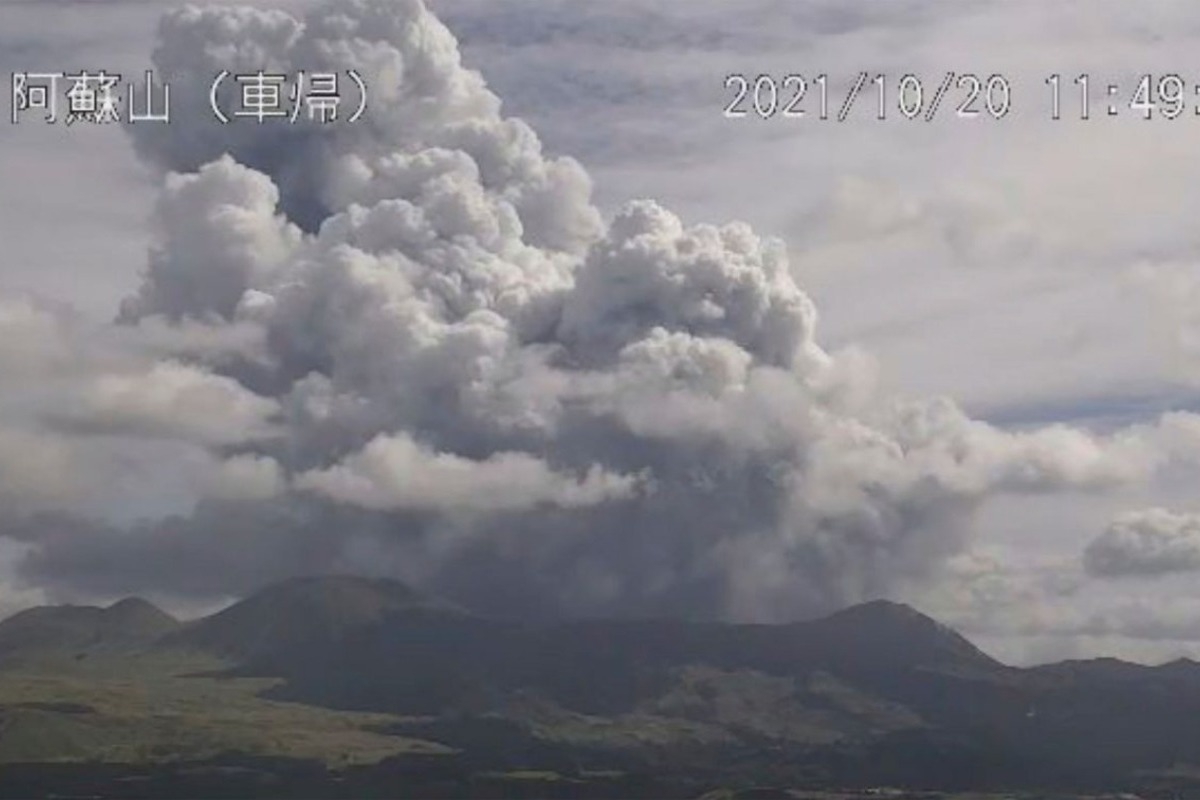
876, 689
286, 614
391, 595
131, 620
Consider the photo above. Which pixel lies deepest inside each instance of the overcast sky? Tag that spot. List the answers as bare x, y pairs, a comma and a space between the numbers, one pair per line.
431, 347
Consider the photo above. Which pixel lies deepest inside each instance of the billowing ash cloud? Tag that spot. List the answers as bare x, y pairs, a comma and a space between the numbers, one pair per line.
394, 472
96, 421
435, 360
433, 134
1146, 543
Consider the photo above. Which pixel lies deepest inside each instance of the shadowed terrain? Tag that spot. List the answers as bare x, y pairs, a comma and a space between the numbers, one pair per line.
349, 681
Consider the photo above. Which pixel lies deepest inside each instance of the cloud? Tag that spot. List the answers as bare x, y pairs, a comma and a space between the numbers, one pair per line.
1026, 608
1172, 290
224, 236
170, 400
412, 345
650, 272
245, 477
396, 473
96, 418
1146, 543
971, 227
419, 97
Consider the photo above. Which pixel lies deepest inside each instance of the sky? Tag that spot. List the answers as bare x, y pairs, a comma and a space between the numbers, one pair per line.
547, 332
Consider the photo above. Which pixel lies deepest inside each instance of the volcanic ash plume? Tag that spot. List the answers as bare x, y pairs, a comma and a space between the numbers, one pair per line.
449, 368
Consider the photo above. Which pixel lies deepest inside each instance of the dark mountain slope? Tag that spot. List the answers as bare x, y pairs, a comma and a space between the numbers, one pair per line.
353, 643
876, 690
74, 629
307, 613
893, 635
880, 670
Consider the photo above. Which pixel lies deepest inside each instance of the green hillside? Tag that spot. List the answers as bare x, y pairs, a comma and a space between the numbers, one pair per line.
352, 687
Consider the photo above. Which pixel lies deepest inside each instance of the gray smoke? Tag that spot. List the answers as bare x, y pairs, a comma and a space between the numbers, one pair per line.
1146, 543
412, 346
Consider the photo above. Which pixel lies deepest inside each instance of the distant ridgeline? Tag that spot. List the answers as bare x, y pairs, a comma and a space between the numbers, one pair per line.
362, 685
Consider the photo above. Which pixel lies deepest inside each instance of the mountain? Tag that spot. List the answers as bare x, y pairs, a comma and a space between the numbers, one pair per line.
880, 674
305, 612
79, 629
372, 644
896, 635
876, 693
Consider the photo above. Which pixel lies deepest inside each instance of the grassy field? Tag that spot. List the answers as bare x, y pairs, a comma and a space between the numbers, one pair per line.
157, 707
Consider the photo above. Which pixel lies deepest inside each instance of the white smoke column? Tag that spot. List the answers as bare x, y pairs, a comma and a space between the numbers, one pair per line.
485, 389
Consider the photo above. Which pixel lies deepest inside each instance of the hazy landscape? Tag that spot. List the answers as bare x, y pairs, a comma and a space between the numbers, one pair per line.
350, 686
523, 398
